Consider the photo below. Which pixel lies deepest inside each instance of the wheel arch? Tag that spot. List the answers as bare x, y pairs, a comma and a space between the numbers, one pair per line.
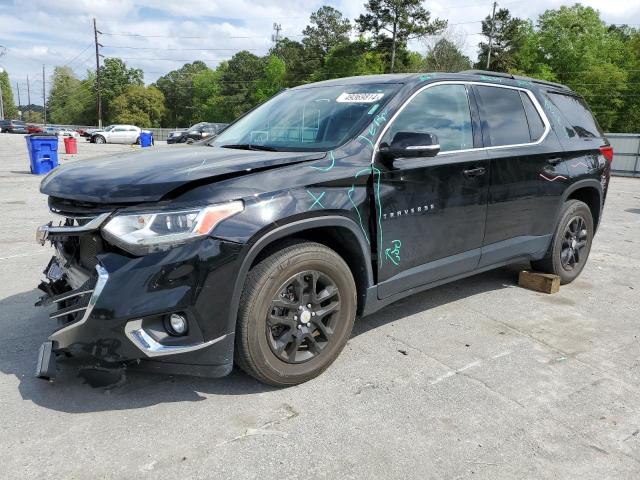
588, 191
336, 232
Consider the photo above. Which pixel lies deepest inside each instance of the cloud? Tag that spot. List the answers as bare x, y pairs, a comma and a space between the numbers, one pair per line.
38, 32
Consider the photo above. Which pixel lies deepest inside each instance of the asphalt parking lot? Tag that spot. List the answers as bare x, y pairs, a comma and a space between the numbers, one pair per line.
475, 379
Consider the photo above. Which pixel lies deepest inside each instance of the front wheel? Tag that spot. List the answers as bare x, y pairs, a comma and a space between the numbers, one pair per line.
100, 139
296, 314
571, 243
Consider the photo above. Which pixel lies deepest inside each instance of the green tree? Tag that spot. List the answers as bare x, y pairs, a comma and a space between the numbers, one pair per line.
64, 105
273, 79
139, 105
573, 45
508, 35
628, 116
350, 59
10, 109
115, 77
206, 94
445, 56
398, 21
327, 29
177, 88
300, 62
573, 39
238, 84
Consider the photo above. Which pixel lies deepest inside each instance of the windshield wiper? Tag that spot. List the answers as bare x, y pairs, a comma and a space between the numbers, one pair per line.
247, 146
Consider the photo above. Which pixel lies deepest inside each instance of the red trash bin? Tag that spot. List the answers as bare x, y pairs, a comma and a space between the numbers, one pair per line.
70, 145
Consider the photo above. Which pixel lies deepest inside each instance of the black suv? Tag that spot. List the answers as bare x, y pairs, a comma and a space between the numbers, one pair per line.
329, 201
13, 126
197, 132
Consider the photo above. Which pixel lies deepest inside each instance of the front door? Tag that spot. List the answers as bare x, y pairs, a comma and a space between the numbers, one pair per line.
431, 210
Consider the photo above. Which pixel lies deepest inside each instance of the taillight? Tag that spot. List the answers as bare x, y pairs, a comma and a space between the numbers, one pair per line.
607, 152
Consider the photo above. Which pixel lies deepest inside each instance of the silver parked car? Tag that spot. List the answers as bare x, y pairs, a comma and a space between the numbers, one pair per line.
128, 134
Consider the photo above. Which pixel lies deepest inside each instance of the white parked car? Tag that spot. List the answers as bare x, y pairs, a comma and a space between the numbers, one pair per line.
67, 132
116, 134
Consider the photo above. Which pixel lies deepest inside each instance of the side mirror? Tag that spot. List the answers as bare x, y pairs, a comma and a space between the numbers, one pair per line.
411, 144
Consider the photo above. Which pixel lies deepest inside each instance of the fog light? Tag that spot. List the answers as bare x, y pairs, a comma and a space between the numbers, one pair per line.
177, 324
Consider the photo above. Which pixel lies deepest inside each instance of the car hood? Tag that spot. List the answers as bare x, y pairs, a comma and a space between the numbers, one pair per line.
149, 175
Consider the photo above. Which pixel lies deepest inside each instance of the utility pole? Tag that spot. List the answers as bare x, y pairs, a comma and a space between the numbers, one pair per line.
276, 36
98, 91
493, 26
19, 102
28, 100
44, 99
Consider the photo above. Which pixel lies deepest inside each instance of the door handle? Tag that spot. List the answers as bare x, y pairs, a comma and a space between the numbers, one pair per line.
474, 172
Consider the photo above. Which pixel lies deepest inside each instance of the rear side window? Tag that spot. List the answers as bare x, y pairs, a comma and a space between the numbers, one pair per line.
503, 116
442, 110
536, 125
575, 110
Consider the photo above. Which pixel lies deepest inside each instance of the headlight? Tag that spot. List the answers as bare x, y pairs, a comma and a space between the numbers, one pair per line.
149, 232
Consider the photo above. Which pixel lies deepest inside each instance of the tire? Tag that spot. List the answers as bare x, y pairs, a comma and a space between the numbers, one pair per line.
565, 257
137, 142
99, 139
290, 347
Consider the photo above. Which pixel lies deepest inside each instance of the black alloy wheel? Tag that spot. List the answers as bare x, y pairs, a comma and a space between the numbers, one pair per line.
303, 316
571, 243
296, 313
574, 243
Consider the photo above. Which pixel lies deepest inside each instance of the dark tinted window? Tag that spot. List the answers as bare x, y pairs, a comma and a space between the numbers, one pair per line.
442, 110
503, 115
536, 125
577, 113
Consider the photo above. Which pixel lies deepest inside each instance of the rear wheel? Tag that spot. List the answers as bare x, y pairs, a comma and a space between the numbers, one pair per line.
296, 314
571, 243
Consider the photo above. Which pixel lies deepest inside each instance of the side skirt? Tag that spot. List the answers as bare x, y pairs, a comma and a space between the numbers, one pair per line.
373, 303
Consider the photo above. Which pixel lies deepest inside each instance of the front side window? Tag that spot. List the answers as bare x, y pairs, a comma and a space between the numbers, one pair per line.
442, 110
503, 116
309, 119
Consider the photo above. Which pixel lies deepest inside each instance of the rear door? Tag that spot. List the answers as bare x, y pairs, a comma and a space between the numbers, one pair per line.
432, 210
527, 174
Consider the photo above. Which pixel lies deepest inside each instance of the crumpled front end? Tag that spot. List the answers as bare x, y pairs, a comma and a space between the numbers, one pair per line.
117, 307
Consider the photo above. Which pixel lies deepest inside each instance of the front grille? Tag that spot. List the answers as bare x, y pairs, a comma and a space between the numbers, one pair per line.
73, 304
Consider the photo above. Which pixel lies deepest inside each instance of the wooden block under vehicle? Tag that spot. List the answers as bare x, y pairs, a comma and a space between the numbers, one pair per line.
540, 282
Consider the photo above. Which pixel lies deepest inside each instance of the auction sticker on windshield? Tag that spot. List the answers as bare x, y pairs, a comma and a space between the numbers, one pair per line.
359, 97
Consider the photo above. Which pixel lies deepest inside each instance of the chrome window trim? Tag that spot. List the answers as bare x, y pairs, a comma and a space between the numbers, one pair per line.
62, 337
529, 93
152, 348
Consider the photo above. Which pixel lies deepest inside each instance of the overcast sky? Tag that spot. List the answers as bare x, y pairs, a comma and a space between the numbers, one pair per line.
37, 32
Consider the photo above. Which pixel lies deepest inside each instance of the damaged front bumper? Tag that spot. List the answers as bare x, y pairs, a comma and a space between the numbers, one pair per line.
114, 306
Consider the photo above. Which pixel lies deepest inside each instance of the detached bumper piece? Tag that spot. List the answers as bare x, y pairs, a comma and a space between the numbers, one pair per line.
46, 364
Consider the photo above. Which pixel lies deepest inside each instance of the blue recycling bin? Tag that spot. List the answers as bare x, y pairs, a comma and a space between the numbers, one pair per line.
146, 138
43, 153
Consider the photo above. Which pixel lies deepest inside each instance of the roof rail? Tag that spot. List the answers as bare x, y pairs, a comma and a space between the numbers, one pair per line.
488, 73
517, 77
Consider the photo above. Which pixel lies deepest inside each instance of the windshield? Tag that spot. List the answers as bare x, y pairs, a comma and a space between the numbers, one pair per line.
109, 128
195, 127
313, 118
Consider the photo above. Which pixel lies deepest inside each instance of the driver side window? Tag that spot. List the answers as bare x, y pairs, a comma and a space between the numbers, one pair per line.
442, 110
